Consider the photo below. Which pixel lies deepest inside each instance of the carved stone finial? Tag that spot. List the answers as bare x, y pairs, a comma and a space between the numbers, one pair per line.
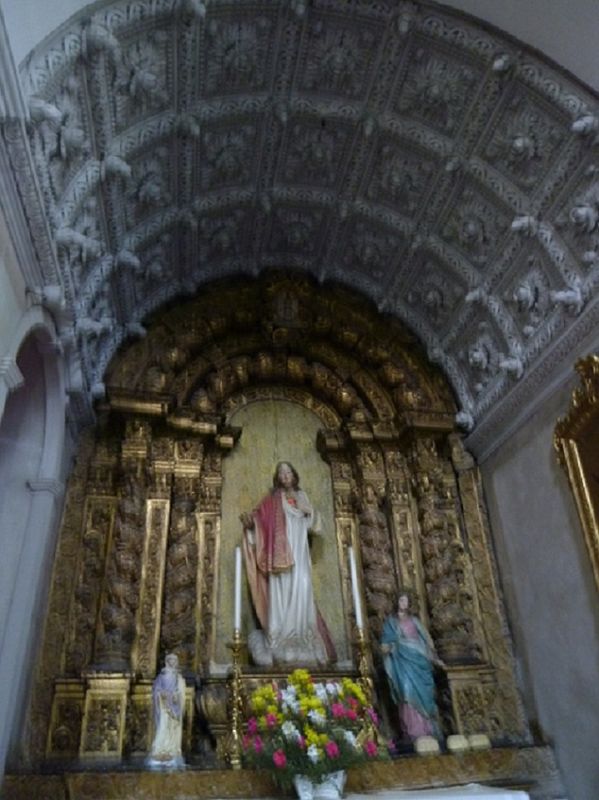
585, 217
136, 329
526, 224
192, 8
585, 125
571, 299
98, 391
41, 111
114, 166
188, 125
512, 365
125, 258
465, 420
98, 39
502, 63
476, 295
93, 327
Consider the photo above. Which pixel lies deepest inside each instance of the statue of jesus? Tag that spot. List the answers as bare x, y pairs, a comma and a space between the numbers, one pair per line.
279, 570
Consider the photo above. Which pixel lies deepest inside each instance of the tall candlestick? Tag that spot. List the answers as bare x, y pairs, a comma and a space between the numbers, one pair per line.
237, 618
355, 589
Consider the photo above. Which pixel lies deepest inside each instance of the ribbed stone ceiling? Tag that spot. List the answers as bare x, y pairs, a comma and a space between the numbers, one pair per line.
447, 173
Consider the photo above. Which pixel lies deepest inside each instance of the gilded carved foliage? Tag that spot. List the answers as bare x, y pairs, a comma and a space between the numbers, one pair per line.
120, 599
102, 726
379, 572
178, 628
96, 538
445, 562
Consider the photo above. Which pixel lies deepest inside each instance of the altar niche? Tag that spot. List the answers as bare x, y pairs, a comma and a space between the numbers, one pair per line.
274, 430
197, 414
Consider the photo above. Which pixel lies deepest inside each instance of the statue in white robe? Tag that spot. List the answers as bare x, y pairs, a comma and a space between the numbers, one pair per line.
279, 570
168, 696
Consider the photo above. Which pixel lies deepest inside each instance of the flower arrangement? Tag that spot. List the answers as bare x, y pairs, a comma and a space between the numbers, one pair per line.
308, 728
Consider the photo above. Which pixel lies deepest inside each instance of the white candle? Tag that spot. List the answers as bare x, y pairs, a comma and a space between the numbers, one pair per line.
354, 588
237, 622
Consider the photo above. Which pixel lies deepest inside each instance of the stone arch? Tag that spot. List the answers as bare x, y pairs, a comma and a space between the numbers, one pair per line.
32, 434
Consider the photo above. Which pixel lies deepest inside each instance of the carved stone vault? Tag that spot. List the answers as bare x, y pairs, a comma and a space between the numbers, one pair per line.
139, 557
396, 147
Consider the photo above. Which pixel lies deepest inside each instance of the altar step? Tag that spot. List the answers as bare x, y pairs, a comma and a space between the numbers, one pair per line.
529, 768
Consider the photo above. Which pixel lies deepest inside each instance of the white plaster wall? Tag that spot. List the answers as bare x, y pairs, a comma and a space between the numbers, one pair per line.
552, 600
565, 30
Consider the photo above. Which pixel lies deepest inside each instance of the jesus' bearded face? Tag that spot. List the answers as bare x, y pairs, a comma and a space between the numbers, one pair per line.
286, 476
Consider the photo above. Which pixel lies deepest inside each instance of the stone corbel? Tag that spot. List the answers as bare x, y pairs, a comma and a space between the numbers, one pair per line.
55, 487
11, 374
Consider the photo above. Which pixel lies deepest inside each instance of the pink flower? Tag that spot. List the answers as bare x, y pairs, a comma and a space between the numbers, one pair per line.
247, 740
371, 748
338, 710
373, 715
280, 759
351, 714
331, 749
352, 702
252, 725
301, 743
271, 720
258, 745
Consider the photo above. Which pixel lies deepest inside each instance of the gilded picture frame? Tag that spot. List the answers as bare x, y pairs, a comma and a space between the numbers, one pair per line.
576, 440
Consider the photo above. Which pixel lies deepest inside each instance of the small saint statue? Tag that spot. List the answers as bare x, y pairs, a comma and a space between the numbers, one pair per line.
409, 657
168, 699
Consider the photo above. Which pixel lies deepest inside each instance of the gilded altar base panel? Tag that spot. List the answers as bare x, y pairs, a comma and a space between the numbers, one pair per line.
529, 768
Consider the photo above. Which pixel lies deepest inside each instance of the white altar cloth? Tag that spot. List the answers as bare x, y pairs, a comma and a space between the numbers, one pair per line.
470, 791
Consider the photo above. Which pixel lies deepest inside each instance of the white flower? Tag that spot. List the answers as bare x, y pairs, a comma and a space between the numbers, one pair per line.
313, 753
350, 738
316, 717
291, 706
333, 689
321, 692
289, 730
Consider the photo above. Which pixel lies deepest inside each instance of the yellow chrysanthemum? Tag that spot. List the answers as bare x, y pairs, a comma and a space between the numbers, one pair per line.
311, 736
258, 704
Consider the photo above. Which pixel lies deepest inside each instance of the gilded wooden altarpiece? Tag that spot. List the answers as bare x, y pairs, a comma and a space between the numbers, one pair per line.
140, 570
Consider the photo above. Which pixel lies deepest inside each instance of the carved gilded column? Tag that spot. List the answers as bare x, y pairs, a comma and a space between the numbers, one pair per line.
376, 546
495, 696
450, 590
208, 517
403, 521
179, 612
77, 586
